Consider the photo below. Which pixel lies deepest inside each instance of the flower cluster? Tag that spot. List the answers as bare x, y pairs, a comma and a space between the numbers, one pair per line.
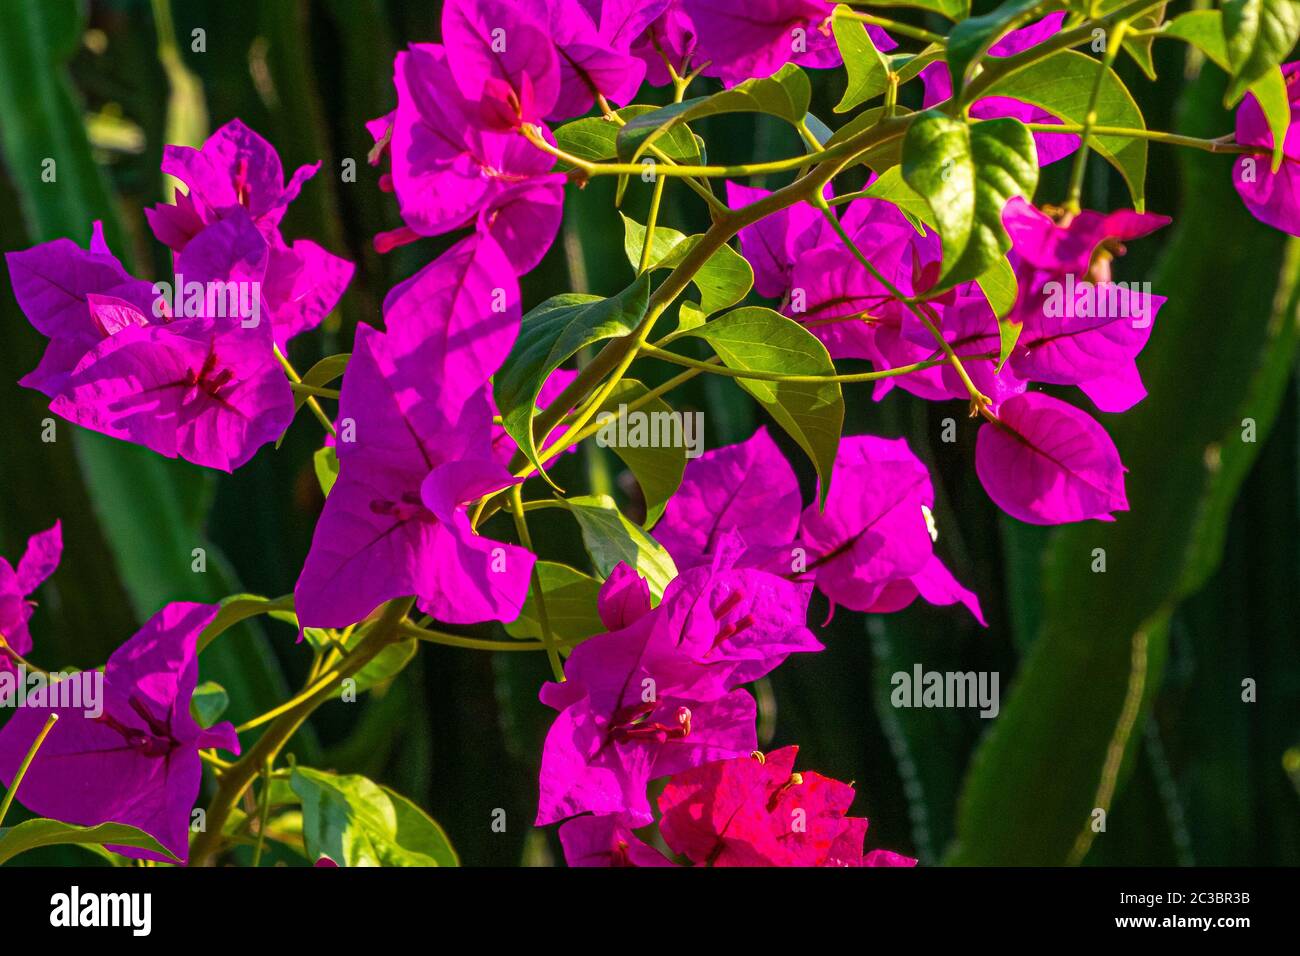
753, 810
426, 440
657, 694
869, 548
414, 447
188, 372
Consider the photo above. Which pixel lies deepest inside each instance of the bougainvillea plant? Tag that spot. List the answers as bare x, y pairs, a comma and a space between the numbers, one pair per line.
912, 245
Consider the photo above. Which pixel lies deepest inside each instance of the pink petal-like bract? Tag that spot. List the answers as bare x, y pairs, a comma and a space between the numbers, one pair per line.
1272, 197
748, 487
502, 59
16, 586
1047, 462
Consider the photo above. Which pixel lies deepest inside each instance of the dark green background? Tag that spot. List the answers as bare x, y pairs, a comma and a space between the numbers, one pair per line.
1204, 567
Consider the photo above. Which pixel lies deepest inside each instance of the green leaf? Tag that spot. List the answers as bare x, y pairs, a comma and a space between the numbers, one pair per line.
240, 607
594, 138
724, 279
1258, 35
32, 834
967, 173
891, 187
999, 286
356, 822
387, 664
1139, 47
1271, 93
548, 336
785, 95
1001, 289
570, 605
322, 373
610, 537
209, 702
868, 73
908, 66
757, 339
1062, 85
656, 454
1203, 29
326, 463
971, 39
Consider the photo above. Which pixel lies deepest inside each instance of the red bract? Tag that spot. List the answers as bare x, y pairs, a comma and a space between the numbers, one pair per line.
755, 811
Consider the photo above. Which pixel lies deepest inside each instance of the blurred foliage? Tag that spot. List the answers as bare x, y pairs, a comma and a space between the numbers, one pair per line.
1206, 565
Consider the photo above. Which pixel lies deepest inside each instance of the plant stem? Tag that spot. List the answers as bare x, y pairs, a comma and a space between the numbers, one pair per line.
978, 398
27, 762
264, 813
526, 539
1080, 167
845, 148
716, 205
617, 354
762, 376
409, 629
296, 379
652, 219
903, 29
1218, 145
234, 782
7, 651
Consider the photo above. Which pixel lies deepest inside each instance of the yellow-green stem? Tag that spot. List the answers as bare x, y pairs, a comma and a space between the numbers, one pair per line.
23, 767
543, 619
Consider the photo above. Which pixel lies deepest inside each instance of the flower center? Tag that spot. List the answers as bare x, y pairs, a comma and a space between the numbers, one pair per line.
632, 723
156, 741
209, 378
730, 628
241, 183
407, 508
